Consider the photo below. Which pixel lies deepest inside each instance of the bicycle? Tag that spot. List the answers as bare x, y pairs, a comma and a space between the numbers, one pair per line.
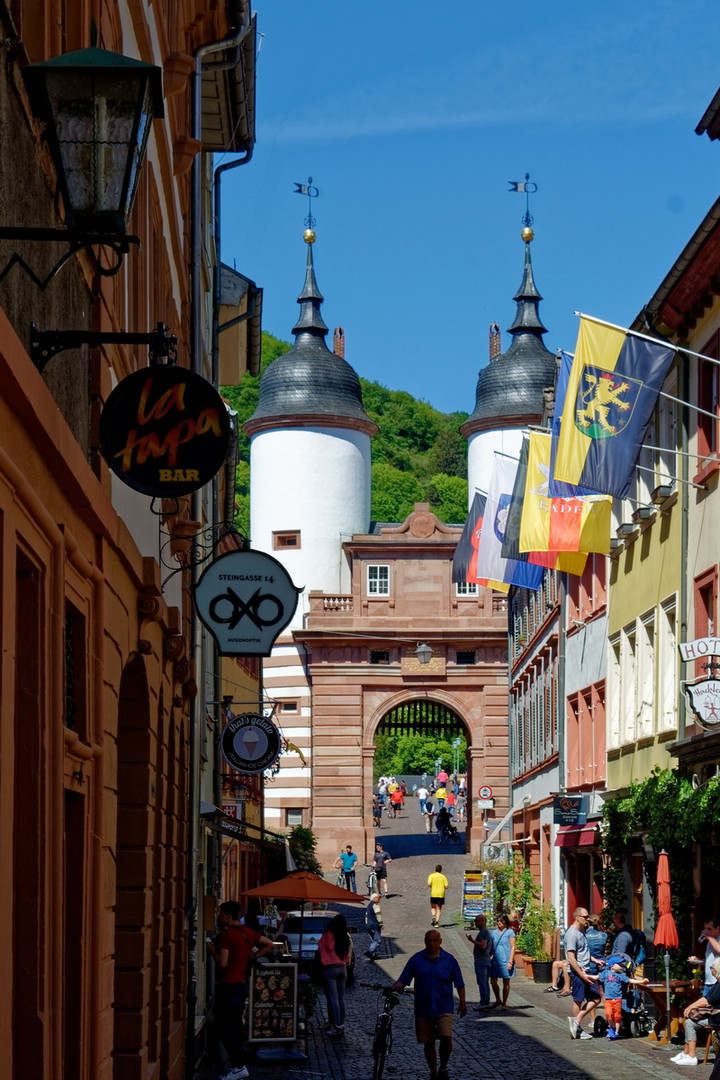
372, 881
449, 833
382, 1037
341, 882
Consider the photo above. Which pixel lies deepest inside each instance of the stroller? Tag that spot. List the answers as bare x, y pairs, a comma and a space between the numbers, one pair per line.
636, 1020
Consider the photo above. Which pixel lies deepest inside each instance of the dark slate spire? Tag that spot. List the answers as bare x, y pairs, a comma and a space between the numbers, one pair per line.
309, 380
310, 300
512, 384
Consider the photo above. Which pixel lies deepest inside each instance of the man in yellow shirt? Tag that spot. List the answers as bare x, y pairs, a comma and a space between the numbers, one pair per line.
438, 883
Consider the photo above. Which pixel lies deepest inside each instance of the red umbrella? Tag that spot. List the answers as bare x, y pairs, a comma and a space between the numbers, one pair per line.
665, 932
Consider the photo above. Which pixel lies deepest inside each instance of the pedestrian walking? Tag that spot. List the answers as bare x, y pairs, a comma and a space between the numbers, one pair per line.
374, 925
397, 801
584, 995
429, 815
435, 973
380, 862
232, 952
503, 961
614, 979
334, 951
441, 795
347, 859
438, 884
422, 794
377, 812
460, 807
483, 950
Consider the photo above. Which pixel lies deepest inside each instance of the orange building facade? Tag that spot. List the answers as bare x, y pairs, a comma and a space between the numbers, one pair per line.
102, 670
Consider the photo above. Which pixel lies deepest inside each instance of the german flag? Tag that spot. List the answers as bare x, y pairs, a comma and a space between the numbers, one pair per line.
614, 382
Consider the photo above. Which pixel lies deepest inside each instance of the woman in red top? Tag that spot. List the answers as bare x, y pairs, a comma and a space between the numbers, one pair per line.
334, 950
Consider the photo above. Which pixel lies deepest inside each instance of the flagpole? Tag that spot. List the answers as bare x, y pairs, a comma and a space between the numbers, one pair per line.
677, 479
661, 393
648, 337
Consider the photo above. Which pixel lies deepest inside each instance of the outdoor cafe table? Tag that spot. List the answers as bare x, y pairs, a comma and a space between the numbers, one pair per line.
681, 994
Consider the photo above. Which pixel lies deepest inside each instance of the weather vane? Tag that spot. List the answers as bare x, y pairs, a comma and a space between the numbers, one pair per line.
529, 188
312, 193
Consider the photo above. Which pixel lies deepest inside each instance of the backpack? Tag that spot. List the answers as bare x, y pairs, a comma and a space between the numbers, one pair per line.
638, 950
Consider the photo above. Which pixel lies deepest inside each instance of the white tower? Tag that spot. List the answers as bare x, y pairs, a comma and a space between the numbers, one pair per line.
509, 394
309, 493
309, 456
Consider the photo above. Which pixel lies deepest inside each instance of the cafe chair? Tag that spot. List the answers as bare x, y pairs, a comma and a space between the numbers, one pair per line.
713, 1031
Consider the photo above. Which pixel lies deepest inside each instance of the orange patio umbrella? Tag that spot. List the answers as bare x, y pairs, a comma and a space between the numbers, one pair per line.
666, 931
305, 888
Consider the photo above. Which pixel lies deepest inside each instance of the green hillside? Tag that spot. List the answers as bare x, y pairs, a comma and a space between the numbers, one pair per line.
418, 454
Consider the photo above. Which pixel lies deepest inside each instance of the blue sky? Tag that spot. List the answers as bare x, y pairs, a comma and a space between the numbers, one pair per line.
412, 116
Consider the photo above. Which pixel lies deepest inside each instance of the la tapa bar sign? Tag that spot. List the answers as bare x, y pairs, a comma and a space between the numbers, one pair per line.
165, 431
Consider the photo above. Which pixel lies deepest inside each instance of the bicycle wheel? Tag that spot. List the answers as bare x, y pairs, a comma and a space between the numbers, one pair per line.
381, 1046
372, 883
341, 880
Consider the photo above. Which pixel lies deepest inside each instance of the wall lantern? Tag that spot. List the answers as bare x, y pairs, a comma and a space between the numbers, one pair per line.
96, 107
423, 652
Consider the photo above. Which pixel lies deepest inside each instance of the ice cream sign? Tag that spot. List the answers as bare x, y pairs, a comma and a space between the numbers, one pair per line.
250, 742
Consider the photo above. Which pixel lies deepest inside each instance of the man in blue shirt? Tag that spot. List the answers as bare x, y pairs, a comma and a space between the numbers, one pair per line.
347, 859
435, 973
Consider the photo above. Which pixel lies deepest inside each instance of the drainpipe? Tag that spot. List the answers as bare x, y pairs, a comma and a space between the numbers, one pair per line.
196, 362
685, 500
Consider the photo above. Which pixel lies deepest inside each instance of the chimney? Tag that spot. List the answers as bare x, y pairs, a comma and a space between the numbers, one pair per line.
495, 343
339, 342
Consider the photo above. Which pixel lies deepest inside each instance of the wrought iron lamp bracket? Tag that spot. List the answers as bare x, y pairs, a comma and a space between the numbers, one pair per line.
76, 241
45, 344
197, 550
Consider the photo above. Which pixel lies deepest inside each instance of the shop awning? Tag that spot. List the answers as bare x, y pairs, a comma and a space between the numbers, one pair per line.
576, 836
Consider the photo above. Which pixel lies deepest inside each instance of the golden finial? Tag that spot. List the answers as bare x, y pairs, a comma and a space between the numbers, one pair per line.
309, 236
527, 234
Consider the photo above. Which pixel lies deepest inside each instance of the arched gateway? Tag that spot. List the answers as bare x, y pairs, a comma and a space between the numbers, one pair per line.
360, 672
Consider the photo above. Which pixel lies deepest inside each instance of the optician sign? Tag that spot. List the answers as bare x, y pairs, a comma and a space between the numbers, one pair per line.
245, 599
165, 431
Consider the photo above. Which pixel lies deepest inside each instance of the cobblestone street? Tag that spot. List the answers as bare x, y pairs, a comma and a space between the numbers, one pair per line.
531, 1041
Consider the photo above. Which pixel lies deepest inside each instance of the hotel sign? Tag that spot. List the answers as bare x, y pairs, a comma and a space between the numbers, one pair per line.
704, 699
570, 810
165, 431
699, 649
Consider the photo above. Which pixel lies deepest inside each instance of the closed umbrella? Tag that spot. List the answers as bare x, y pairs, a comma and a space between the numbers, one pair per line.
666, 931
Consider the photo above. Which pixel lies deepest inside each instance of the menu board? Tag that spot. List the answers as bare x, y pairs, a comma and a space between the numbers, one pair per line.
273, 1003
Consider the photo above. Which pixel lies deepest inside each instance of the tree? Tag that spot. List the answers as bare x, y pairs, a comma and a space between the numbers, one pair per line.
394, 493
448, 497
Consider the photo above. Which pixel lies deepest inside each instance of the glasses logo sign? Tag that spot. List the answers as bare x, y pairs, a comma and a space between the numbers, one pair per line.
165, 431
245, 599
250, 742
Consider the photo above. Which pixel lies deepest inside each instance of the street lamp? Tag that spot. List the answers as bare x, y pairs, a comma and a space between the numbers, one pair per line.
96, 107
423, 652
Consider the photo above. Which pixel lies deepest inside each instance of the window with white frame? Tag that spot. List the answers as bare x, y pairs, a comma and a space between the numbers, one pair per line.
378, 580
613, 694
646, 675
667, 667
628, 686
466, 588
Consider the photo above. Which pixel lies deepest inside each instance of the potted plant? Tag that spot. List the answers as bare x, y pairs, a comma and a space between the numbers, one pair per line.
537, 932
